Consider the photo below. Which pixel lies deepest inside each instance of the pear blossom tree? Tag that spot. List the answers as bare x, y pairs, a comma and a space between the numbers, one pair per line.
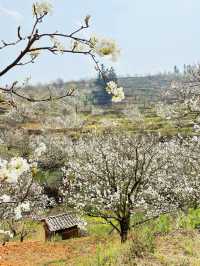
19, 192
53, 151
117, 177
182, 100
18, 200
17, 188
37, 42
186, 167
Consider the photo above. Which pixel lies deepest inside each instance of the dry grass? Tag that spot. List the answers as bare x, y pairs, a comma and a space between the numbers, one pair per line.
180, 248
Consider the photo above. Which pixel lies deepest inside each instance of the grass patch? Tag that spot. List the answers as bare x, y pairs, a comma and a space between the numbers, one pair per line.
60, 262
97, 226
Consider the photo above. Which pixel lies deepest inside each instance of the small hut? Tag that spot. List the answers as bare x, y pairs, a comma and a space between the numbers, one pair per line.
65, 225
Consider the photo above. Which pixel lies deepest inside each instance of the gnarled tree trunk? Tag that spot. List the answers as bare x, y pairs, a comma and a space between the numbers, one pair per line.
124, 228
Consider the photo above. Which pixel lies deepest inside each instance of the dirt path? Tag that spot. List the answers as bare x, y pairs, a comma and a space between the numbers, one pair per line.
32, 253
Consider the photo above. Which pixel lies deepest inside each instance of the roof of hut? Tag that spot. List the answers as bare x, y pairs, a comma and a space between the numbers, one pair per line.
61, 221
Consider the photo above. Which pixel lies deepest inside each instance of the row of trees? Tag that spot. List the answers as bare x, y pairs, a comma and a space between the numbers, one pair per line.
117, 177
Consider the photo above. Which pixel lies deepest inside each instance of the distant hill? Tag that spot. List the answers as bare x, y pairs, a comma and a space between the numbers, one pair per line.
157, 81
137, 89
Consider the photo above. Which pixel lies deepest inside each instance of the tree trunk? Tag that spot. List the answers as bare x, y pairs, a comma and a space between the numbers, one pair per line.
124, 228
124, 236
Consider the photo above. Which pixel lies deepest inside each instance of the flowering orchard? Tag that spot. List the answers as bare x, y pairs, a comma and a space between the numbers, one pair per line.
18, 190
57, 43
117, 177
112, 176
181, 100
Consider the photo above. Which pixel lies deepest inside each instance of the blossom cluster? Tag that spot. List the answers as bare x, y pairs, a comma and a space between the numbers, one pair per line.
105, 47
34, 53
58, 45
40, 149
19, 192
11, 170
78, 46
24, 206
116, 92
41, 8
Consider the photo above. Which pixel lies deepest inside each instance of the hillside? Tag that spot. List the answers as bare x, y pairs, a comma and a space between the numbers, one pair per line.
81, 114
136, 86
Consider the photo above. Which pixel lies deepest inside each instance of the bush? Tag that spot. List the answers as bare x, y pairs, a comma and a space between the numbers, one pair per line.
189, 221
163, 225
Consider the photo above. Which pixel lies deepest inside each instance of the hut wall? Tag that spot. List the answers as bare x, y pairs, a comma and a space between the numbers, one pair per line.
48, 234
70, 233
65, 234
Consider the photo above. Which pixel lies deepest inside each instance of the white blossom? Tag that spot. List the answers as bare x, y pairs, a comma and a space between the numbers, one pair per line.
58, 45
196, 128
18, 212
40, 150
5, 198
116, 92
25, 206
34, 53
78, 46
13, 169
42, 8
105, 47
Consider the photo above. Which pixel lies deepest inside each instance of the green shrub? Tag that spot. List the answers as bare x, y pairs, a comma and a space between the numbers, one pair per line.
143, 242
163, 225
191, 220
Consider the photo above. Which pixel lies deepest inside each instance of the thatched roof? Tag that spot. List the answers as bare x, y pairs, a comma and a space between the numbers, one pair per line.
61, 221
